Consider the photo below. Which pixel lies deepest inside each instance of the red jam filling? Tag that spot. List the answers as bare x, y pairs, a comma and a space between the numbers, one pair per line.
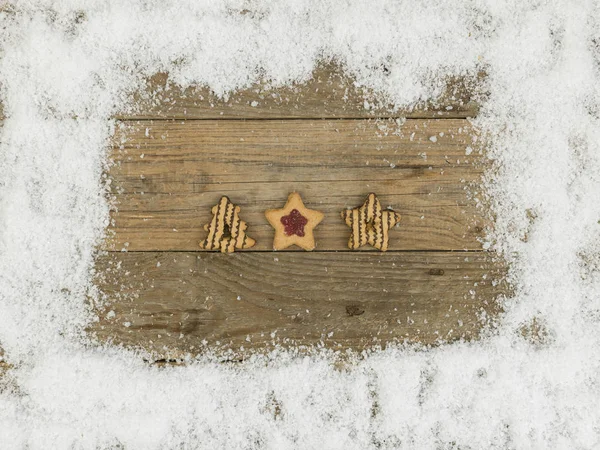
294, 223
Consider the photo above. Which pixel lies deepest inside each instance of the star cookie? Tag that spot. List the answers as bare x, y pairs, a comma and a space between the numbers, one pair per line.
370, 224
294, 224
226, 232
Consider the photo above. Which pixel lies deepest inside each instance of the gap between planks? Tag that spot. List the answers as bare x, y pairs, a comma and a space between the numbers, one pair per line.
290, 250
133, 117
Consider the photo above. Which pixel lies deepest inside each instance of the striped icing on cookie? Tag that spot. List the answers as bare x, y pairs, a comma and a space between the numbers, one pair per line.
370, 224
226, 231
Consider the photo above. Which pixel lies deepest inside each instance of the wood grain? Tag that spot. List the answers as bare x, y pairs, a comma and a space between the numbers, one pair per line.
322, 145
329, 93
168, 175
175, 303
164, 295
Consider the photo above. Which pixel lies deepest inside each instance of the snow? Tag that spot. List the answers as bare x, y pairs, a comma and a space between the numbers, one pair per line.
67, 66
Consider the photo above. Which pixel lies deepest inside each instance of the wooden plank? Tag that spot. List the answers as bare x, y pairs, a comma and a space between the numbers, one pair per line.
175, 303
168, 175
316, 144
441, 221
329, 93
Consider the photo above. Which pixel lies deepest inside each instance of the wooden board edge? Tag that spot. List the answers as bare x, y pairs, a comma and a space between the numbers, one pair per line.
264, 100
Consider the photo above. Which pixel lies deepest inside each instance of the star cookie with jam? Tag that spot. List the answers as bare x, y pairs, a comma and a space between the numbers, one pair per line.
294, 224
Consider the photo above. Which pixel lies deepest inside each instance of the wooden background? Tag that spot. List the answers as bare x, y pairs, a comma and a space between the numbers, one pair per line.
181, 150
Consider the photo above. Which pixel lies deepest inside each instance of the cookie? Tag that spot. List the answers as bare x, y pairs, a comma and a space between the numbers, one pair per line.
370, 224
226, 232
294, 224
